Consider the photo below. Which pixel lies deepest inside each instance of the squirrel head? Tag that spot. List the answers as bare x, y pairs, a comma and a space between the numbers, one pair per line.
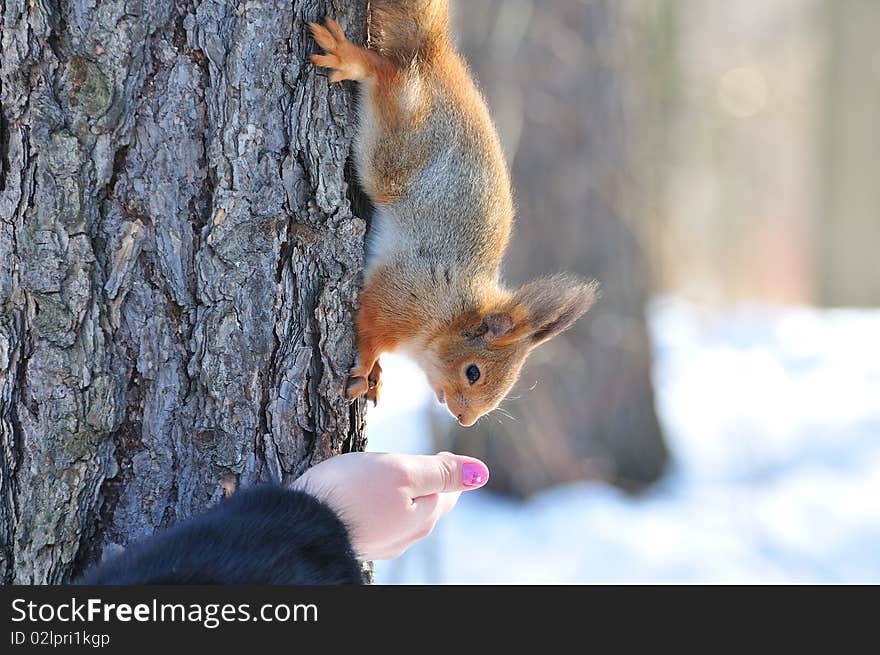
473, 366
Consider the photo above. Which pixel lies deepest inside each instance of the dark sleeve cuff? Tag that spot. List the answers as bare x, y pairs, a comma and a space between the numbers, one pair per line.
266, 535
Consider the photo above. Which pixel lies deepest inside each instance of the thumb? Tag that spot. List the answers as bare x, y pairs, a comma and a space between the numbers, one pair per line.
446, 472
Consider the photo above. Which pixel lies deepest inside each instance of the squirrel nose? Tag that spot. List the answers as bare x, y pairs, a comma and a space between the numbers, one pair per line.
467, 422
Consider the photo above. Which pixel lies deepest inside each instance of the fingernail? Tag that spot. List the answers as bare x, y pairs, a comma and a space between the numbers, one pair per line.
474, 474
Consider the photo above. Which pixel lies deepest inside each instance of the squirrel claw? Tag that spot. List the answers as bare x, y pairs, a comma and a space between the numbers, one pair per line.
373, 395
374, 386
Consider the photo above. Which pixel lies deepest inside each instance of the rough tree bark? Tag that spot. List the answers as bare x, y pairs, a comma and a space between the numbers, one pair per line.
584, 406
179, 266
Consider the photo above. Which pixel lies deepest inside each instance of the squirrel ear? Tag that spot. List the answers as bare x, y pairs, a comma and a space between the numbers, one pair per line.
493, 326
496, 324
553, 303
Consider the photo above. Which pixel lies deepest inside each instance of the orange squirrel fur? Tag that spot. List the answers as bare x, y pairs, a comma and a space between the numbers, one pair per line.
428, 155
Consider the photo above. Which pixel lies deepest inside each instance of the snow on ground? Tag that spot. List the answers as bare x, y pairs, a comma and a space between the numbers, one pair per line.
773, 418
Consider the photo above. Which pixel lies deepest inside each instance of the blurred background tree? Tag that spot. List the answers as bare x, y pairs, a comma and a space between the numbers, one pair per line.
763, 182
847, 270
553, 73
722, 152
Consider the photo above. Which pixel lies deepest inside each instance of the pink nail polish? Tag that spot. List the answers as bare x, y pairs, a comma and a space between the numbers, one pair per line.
474, 474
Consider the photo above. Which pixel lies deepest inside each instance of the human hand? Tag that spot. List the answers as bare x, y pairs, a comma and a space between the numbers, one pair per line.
389, 501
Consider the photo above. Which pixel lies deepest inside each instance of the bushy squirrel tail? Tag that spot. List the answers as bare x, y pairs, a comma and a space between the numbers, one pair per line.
409, 32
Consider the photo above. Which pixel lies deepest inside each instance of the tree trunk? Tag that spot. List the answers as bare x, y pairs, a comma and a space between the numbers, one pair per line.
849, 229
179, 266
584, 406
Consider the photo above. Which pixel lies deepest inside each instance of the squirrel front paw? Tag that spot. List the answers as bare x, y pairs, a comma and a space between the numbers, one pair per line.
374, 383
360, 384
348, 61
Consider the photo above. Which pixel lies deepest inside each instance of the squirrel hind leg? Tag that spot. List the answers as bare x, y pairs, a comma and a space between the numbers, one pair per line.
348, 61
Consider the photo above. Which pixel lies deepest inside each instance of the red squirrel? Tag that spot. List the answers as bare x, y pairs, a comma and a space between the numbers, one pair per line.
428, 156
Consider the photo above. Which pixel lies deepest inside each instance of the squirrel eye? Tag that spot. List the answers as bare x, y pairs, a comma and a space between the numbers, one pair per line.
472, 373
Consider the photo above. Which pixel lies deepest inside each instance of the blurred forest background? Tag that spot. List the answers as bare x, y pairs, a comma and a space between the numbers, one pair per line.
723, 152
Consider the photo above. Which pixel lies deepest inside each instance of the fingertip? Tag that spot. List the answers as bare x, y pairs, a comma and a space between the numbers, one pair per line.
474, 474
444, 472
